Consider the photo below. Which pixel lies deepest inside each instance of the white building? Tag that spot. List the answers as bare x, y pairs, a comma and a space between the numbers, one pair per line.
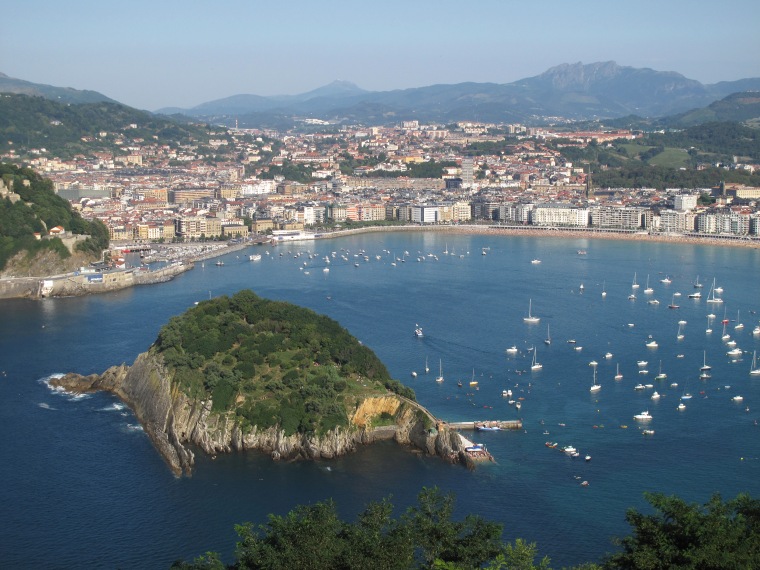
560, 215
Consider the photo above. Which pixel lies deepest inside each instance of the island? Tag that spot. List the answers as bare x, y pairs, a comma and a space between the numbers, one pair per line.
246, 373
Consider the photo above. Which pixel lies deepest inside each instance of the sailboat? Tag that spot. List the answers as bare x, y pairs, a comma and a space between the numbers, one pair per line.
618, 375
661, 375
439, 378
648, 289
595, 387
473, 382
427, 368
530, 318
697, 284
673, 303
708, 330
739, 325
754, 370
634, 285
711, 298
535, 365
548, 339
679, 334
604, 291
725, 335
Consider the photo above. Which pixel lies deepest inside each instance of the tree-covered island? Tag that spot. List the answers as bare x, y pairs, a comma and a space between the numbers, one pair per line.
242, 372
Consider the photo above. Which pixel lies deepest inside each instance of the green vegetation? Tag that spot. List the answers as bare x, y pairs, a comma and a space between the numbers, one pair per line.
720, 535
272, 363
670, 159
66, 130
39, 210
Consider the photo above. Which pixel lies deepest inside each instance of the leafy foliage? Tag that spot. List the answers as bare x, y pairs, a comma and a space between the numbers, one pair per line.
426, 536
40, 209
271, 363
66, 130
683, 535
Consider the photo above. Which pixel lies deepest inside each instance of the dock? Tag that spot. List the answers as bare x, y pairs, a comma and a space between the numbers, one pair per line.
501, 424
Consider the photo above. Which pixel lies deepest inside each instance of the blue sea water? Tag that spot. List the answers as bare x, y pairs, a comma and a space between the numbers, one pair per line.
81, 485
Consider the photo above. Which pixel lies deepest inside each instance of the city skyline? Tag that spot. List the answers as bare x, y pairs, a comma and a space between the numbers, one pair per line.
171, 54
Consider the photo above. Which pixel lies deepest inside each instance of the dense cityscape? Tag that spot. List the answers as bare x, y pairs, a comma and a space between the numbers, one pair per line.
244, 181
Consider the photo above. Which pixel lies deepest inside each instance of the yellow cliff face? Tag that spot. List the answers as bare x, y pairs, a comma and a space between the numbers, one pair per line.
374, 407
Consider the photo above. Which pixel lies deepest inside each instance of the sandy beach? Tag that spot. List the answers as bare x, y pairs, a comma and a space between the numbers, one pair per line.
561, 233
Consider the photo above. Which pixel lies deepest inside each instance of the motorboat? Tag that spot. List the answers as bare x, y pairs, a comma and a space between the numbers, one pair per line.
641, 363
655, 395
418, 331
643, 416
512, 350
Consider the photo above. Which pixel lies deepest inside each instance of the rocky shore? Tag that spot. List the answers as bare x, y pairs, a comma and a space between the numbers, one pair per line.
175, 423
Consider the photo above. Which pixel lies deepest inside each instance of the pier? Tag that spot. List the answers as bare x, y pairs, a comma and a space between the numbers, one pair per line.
501, 424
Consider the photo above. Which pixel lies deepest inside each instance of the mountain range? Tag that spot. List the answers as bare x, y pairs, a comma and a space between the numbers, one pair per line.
578, 91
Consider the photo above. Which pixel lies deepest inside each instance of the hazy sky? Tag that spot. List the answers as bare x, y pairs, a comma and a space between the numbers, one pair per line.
161, 53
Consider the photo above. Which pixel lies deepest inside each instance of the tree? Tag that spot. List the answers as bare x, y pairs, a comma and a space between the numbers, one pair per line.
683, 535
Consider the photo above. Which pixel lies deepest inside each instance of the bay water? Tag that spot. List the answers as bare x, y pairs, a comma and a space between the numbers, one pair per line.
81, 485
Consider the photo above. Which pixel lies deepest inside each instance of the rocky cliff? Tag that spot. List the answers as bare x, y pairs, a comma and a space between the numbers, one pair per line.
174, 421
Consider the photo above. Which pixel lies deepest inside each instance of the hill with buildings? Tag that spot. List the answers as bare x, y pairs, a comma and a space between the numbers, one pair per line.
39, 232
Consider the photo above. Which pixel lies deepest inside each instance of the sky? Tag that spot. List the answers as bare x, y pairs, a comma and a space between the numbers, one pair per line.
168, 53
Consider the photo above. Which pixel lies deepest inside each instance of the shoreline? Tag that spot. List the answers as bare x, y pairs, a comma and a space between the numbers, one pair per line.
554, 232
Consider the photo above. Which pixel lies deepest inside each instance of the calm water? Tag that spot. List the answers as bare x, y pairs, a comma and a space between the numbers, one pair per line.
81, 484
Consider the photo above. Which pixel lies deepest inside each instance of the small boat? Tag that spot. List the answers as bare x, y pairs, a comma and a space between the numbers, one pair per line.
679, 334
648, 290
661, 375
639, 387
641, 363
254, 257
595, 387
655, 395
737, 398
418, 331
696, 295
571, 341
608, 355
673, 303
535, 365
735, 352
427, 368
739, 325
704, 366
473, 382
634, 285
618, 375
581, 288
535, 261
551, 445
518, 405
506, 393
587, 458
643, 416
631, 297
530, 318
548, 339
686, 396
651, 344
414, 374
711, 298
219, 263
325, 270
756, 330
604, 290
593, 363
681, 406
581, 252
697, 284
666, 280
439, 378
512, 350
570, 450
653, 302
754, 370
647, 432
485, 427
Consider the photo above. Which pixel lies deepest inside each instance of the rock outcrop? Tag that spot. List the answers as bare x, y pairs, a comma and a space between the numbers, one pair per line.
174, 422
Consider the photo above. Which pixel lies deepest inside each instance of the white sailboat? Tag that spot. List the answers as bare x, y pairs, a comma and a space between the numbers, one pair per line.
427, 368
739, 325
679, 334
618, 375
604, 290
535, 365
530, 318
548, 339
754, 370
705, 366
725, 335
439, 378
697, 284
634, 285
711, 298
648, 289
595, 387
661, 375
708, 330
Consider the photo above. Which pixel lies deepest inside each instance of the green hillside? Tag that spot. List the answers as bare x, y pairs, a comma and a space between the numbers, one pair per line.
272, 363
38, 210
66, 130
